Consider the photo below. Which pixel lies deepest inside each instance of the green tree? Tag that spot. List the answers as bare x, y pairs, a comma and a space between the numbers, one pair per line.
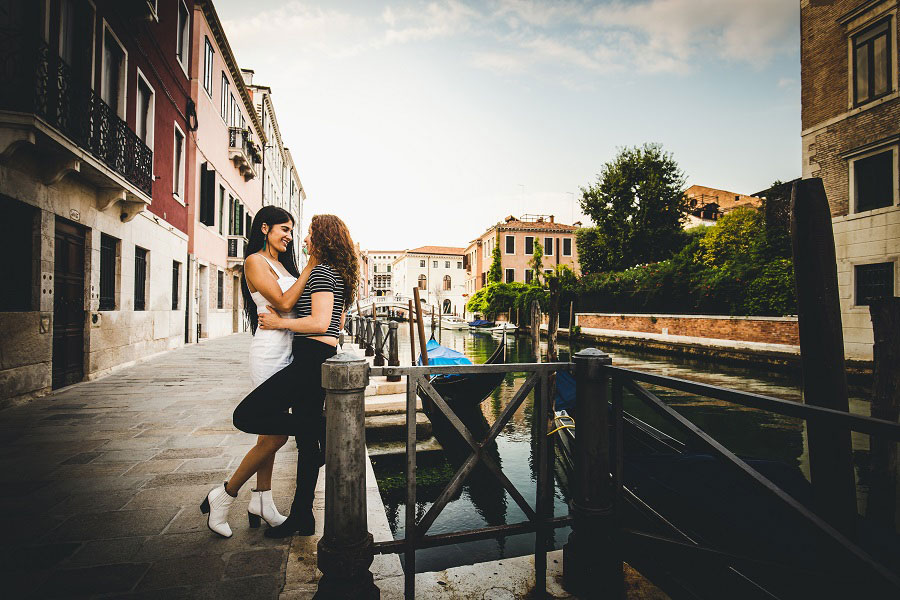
733, 238
495, 274
637, 205
495, 298
537, 261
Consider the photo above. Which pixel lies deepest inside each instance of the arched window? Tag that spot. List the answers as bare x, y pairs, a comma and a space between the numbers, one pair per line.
423, 282
446, 283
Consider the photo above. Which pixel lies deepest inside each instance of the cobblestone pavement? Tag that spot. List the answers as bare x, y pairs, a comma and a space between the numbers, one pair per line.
102, 483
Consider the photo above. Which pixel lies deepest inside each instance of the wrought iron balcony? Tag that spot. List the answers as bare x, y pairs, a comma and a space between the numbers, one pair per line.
237, 249
38, 82
243, 152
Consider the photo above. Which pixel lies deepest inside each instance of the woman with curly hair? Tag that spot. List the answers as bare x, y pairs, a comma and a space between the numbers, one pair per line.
298, 386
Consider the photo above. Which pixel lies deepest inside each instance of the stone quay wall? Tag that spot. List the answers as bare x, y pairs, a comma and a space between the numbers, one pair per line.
767, 330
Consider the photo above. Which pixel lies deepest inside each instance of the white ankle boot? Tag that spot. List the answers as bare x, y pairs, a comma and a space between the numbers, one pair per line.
217, 503
262, 506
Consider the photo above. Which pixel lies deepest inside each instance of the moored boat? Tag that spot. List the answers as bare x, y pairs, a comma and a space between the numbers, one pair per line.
462, 389
453, 322
503, 327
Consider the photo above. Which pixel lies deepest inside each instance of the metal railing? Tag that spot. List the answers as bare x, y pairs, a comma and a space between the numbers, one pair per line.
38, 81
596, 548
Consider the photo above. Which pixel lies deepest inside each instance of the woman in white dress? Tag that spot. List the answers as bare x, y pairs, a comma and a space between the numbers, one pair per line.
270, 279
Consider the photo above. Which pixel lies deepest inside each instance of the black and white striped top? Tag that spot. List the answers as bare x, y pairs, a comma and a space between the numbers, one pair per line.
323, 278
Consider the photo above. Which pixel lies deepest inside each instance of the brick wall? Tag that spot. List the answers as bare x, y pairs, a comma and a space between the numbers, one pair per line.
769, 330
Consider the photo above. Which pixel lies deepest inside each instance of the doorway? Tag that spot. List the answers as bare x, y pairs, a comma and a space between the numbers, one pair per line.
203, 302
235, 304
68, 304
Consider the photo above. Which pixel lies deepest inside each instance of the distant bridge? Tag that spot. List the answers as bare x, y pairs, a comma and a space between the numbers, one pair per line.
395, 304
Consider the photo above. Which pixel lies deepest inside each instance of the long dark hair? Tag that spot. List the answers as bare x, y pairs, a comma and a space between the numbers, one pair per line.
332, 245
271, 216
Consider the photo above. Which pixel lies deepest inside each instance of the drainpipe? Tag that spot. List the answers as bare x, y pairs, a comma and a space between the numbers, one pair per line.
187, 298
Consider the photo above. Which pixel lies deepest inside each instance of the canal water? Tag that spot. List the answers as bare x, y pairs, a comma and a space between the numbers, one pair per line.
483, 502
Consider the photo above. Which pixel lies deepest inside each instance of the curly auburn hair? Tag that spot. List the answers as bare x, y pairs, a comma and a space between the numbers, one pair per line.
332, 245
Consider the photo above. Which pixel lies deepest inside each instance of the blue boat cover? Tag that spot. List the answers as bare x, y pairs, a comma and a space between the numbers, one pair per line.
439, 355
565, 392
481, 323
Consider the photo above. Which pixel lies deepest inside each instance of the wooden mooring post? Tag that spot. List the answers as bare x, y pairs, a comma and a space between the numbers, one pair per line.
571, 323
370, 336
592, 559
393, 348
882, 503
345, 551
536, 330
420, 325
822, 354
378, 343
412, 333
553, 321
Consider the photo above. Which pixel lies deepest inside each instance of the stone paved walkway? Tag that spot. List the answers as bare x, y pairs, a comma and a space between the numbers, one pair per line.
100, 485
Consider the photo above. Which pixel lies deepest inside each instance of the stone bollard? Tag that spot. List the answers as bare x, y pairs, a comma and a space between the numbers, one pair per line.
592, 560
393, 348
370, 335
378, 344
345, 551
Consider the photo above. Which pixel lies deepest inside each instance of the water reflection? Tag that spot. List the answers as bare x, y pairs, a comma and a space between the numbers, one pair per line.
482, 501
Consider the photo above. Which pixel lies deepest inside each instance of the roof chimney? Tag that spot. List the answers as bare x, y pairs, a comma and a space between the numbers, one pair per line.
551, 219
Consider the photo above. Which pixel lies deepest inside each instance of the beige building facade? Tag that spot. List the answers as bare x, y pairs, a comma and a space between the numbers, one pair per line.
517, 238
851, 139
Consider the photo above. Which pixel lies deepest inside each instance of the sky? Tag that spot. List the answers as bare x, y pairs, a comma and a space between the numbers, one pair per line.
424, 123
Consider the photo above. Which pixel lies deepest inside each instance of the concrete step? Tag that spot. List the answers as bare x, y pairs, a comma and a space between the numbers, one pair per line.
380, 386
399, 448
389, 404
392, 428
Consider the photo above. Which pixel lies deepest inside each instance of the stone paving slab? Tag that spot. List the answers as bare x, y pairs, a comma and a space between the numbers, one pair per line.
101, 482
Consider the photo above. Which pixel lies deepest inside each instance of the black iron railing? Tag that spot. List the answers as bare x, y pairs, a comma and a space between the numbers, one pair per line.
38, 81
242, 139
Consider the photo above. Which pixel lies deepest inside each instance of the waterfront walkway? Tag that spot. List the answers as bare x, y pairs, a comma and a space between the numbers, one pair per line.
102, 483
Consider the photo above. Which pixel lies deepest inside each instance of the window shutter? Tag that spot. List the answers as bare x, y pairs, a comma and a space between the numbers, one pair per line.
207, 195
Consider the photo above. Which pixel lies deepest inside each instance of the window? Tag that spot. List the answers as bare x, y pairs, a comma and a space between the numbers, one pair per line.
548, 246
423, 282
220, 289
109, 251
374, 268
389, 268
140, 278
529, 244
176, 278
226, 93
529, 275
230, 214
112, 87
67, 30
207, 212
16, 239
446, 264
459, 264
548, 271
208, 55
178, 166
872, 63
145, 110
874, 281
422, 264
510, 244
567, 247
182, 36
221, 209
874, 180
510, 275
235, 113
434, 264
447, 283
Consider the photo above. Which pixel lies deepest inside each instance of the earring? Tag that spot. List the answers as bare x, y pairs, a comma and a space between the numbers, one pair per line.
265, 244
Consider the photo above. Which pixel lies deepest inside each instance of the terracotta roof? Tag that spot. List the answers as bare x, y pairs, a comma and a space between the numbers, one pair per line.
437, 250
385, 251
543, 225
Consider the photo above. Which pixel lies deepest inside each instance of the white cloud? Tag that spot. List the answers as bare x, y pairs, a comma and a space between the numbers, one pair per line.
433, 20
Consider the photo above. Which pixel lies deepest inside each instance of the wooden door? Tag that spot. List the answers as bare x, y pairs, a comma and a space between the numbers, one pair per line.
68, 304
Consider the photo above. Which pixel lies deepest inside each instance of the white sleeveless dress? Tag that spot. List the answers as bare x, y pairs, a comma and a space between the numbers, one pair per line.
270, 350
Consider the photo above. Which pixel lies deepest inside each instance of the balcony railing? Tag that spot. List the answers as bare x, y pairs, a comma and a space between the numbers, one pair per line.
243, 151
39, 82
237, 249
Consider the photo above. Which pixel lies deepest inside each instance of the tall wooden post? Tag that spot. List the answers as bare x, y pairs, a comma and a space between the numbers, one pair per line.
378, 343
420, 323
412, 333
553, 321
571, 324
592, 560
822, 353
345, 551
433, 322
370, 336
393, 348
536, 330
882, 505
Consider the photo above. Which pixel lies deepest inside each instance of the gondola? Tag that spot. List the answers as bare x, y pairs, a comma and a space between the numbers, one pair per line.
673, 490
468, 389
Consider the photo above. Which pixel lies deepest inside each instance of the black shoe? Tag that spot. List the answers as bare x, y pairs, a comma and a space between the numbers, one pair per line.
301, 525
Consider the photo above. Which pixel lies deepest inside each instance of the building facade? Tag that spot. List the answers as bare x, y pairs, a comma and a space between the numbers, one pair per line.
438, 273
708, 204
517, 238
381, 276
95, 122
851, 139
227, 160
